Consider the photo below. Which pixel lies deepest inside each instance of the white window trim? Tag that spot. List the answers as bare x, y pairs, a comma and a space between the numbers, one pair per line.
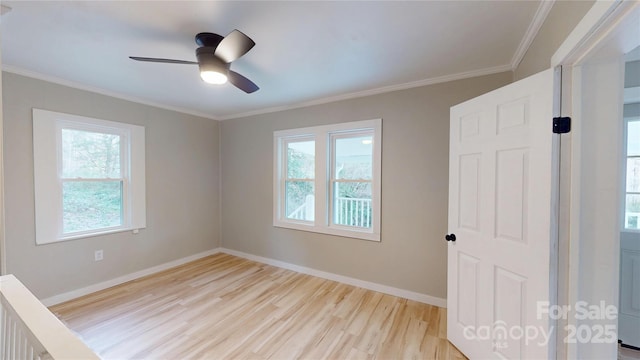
322, 135
47, 126
623, 202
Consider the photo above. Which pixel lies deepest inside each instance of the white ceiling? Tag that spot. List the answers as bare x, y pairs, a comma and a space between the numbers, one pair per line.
307, 52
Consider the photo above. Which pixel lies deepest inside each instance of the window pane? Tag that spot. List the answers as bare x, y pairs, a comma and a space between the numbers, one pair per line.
352, 204
633, 174
353, 158
301, 162
91, 205
90, 155
633, 138
632, 212
299, 200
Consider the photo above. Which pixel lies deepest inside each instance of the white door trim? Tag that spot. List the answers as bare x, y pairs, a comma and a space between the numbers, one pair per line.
3, 258
592, 34
598, 22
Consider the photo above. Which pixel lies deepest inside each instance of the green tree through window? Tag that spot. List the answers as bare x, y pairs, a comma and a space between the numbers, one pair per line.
92, 181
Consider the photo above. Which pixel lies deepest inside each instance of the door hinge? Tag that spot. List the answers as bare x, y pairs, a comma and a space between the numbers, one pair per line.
561, 125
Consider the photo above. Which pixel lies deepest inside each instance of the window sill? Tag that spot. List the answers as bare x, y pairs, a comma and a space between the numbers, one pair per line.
631, 231
89, 235
354, 234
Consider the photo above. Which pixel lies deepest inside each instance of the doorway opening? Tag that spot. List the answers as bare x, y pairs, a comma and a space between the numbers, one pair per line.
629, 302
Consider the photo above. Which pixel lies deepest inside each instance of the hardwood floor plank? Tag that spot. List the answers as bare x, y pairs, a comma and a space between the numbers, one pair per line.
225, 307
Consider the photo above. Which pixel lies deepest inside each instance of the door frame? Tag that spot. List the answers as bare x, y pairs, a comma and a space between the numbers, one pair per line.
3, 262
593, 32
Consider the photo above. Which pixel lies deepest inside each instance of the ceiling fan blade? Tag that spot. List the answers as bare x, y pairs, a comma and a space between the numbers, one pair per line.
242, 82
233, 46
169, 61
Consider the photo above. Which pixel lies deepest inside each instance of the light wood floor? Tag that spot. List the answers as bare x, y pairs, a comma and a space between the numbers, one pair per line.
225, 307
628, 354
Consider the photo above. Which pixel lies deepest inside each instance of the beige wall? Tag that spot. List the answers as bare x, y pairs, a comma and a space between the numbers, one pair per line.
562, 19
415, 156
183, 174
182, 170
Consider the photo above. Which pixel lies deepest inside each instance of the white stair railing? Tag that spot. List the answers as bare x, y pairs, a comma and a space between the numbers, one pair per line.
305, 211
28, 330
16, 342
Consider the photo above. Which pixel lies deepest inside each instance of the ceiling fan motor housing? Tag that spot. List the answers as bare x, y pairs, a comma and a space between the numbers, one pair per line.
209, 62
208, 39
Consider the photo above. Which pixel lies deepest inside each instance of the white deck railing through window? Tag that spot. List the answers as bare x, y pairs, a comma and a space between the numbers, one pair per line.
347, 211
28, 330
353, 212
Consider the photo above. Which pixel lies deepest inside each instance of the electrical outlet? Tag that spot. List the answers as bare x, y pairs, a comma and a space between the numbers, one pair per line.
98, 255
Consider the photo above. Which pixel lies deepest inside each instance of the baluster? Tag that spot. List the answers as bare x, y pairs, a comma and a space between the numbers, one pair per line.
354, 212
366, 214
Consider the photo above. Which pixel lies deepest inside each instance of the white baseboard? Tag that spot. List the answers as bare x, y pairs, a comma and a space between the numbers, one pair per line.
423, 298
60, 298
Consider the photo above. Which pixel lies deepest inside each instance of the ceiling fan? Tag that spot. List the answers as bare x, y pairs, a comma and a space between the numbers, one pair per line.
215, 55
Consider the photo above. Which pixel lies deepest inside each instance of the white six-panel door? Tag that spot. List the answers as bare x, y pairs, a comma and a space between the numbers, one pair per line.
501, 180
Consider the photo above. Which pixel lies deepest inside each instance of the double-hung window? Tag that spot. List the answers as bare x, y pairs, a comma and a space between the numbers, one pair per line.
632, 183
327, 179
92, 177
89, 176
299, 179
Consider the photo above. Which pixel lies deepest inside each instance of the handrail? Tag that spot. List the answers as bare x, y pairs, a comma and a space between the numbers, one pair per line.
48, 335
298, 213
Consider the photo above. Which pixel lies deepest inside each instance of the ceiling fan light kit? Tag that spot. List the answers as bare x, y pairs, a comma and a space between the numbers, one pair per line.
215, 55
212, 69
213, 77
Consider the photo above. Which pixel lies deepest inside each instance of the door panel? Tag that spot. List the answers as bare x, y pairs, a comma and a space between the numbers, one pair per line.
511, 190
630, 302
501, 210
468, 290
469, 192
509, 304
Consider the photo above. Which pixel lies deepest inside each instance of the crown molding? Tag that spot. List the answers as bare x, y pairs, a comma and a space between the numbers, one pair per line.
376, 91
326, 100
56, 80
534, 27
